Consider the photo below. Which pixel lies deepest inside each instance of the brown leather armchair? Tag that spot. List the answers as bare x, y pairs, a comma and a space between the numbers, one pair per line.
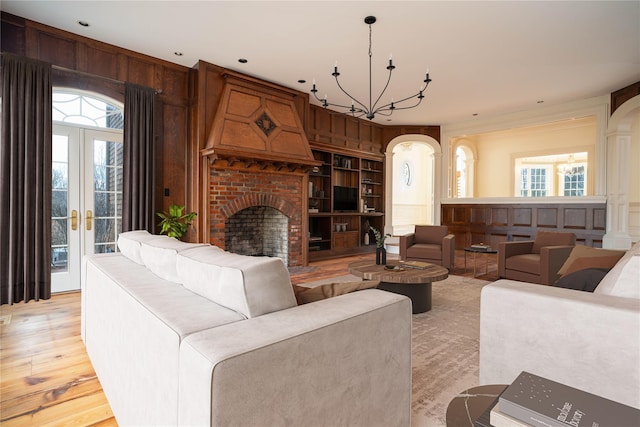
429, 243
535, 261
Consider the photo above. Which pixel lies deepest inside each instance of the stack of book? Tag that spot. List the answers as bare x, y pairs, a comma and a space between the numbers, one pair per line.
480, 247
535, 401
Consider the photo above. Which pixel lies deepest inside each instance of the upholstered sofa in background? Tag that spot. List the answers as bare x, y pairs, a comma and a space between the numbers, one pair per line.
536, 261
429, 243
588, 340
188, 334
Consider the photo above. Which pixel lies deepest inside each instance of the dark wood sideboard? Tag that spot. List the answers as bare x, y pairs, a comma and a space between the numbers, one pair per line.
492, 223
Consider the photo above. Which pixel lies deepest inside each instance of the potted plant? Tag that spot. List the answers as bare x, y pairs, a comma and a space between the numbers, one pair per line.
381, 252
174, 223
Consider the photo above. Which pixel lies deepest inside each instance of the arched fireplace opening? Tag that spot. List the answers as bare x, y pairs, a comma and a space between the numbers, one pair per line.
258, 231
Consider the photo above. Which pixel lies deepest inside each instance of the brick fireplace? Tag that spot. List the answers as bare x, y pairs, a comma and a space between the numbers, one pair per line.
244, 201
256, 161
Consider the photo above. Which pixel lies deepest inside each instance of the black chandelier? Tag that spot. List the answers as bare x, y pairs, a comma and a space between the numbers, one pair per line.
357, 108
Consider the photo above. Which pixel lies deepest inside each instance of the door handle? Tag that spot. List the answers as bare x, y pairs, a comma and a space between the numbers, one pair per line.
74, 220
87, 220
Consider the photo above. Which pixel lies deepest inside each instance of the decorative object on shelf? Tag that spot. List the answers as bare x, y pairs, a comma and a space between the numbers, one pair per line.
372, 109
381, 252
174, 223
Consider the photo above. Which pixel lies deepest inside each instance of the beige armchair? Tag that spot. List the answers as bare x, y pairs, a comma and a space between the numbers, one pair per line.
536, 261
429, 243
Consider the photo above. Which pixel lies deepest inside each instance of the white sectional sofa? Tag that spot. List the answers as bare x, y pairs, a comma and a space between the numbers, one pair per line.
190, 335
590, 341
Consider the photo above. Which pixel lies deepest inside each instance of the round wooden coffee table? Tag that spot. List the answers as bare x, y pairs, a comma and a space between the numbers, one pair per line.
412, 282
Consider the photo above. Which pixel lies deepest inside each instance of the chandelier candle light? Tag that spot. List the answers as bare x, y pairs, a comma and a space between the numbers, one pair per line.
358, 109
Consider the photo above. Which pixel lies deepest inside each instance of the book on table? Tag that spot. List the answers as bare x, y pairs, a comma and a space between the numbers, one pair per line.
540, 402
417, 264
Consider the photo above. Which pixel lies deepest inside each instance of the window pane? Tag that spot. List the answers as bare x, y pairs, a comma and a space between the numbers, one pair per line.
105, 231
59, 232
104, 204
59, 204
59, 259
86, 110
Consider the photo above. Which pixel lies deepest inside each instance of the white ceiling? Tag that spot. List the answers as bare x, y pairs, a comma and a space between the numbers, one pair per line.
485, 58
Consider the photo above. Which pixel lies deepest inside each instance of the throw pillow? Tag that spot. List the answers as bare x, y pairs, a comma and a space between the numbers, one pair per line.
606, 262
305, 295
582, 280
582, 251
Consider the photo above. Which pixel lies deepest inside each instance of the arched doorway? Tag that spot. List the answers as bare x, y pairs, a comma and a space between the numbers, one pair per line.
412, 179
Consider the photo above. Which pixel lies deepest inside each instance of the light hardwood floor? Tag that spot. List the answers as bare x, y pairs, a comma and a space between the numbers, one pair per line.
46, 378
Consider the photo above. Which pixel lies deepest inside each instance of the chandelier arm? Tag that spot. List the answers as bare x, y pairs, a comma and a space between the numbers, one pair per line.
395, 104
364, 107
373, 107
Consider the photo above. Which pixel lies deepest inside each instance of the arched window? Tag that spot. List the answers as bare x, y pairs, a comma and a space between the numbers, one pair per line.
85, 110
464, 163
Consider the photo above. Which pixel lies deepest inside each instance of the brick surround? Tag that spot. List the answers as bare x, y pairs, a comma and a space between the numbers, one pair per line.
233, 190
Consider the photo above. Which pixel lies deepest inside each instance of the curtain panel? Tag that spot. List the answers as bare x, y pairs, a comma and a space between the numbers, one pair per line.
25, 180
139, 155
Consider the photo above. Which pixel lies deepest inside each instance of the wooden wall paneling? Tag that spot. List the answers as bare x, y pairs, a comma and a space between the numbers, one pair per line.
54, 49
577, 218
599, 219
548, 217
90, 65
621, 96
522, 216
12, 33
100, 62
504, 222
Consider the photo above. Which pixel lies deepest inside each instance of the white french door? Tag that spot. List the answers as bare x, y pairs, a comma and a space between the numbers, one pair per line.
86, 199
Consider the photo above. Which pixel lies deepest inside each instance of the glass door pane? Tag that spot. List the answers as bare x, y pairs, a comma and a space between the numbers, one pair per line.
59, 204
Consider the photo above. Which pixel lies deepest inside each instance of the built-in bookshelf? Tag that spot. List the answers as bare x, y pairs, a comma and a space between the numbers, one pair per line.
346, 196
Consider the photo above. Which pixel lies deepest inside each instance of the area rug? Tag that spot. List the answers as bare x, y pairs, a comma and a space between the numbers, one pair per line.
444, 347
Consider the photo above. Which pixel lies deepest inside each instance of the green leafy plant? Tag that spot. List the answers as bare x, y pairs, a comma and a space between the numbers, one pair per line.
174, 223
379, 237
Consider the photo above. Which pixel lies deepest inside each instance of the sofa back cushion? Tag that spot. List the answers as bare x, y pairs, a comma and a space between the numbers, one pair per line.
623, 280
552, 238
130, 243
249, 285
430, 233
159, 255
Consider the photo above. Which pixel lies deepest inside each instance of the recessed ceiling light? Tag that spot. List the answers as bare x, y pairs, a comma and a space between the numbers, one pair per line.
540, 102
242, 61
302, 81
474, 114
177, 53
83, 23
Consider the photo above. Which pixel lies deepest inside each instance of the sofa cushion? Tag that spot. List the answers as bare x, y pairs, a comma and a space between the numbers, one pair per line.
130, 242
249, 285
425, 251
586, 279
306, 295
527, 263
624, 278
430, 233
582, 251
552, 238
159, 255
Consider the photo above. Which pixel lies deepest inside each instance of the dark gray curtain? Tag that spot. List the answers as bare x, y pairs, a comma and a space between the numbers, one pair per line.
139, 141
25, 180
